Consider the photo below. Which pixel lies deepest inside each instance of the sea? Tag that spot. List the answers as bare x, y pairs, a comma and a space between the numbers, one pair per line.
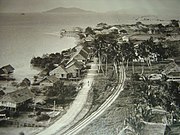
24, 36
28, 35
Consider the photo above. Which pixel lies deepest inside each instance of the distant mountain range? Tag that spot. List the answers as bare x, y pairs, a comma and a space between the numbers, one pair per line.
73, 10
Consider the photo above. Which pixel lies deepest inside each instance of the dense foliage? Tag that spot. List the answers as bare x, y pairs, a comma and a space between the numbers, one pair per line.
47, 61
61, 93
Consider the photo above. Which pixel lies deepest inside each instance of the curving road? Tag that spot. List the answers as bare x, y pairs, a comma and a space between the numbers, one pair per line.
76, 106
83, 123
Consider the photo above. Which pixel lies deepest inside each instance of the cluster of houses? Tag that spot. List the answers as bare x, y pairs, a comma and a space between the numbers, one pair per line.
171, 72
70, 68
74, 63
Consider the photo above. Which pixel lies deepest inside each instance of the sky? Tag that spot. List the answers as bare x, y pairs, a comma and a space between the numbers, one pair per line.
148, 6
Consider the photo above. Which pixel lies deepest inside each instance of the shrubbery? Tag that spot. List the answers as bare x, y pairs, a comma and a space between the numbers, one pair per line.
47, 61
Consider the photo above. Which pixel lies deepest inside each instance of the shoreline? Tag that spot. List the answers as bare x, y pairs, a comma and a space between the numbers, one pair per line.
26, 70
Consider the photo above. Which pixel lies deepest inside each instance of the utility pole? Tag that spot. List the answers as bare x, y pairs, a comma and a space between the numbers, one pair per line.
54, 105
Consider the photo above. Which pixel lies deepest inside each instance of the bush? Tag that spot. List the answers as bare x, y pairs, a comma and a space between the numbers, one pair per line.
42, 117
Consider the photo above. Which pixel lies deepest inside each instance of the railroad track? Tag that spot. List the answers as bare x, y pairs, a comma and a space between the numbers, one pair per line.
84, 122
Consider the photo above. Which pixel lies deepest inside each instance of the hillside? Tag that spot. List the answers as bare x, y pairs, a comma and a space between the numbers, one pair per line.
62, 10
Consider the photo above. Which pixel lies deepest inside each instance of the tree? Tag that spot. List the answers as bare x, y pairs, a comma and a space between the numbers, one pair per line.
128, 53
21, 133
175, 23
144, 50
89, 31
98, 50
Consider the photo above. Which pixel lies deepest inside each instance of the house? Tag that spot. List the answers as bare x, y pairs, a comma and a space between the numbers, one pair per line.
106, 31
8, 69
123, 31
114, 29
25, 83
86, 50
153, 129
81, 54
16, 99
74, 68
140, 37
49, 81
153, 57
125, 39
172, 72
1, 72
43, 73
77, 29
102, 25
155, 77
59, 72
89, 38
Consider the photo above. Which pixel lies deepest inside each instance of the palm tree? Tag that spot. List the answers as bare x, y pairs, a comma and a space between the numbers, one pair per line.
144, 50
106, 49
128, 53
99, 46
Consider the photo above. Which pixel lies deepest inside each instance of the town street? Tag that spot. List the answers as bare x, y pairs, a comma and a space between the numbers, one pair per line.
82, 124
76, 106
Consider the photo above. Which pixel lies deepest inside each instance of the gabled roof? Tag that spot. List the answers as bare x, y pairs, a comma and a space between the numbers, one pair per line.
89, 38
52, 79
1, 71
114, 28
7, 68
85, 49
73, 66
83, 54
82, 51
60, 69
18, 96
153, 128
140, 37
43, 73
171, 67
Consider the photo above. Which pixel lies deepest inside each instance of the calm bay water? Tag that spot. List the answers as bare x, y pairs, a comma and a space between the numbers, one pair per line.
19, 43
25, 36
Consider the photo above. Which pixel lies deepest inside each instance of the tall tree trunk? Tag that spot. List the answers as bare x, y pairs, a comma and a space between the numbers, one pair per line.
147, 61
133, 67
100, 64
127, 63
142, 66
150, 65
106, 66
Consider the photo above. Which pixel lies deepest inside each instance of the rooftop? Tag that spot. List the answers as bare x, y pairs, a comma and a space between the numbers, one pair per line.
171, 67
18, 96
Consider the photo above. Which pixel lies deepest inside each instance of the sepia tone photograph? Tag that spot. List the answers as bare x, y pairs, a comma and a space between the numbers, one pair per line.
89, 67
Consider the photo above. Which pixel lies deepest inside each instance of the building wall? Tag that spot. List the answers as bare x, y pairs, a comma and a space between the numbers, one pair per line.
58, 74
8, 104
45, 83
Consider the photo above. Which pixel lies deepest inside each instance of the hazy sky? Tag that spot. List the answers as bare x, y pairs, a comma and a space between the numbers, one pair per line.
148, 6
